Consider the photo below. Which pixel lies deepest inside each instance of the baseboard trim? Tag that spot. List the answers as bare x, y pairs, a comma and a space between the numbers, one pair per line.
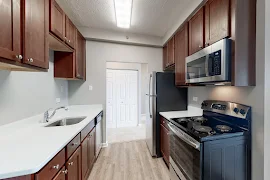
104, 145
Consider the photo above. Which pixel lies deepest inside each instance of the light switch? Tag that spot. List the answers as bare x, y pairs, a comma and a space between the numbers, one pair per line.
90, 88
57, 100
195, 99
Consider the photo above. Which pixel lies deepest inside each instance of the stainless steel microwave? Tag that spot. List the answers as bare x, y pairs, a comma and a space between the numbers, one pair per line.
210, 65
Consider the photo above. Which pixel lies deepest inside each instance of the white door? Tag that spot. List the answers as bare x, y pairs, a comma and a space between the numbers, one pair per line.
124, 103
110, 108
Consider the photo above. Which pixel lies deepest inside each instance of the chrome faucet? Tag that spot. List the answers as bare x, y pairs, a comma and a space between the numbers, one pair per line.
47, 117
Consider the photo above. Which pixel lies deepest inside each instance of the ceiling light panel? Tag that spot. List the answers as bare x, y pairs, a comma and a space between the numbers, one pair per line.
123, 11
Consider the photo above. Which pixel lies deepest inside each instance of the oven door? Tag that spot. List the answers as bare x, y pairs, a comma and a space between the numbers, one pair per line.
185, 158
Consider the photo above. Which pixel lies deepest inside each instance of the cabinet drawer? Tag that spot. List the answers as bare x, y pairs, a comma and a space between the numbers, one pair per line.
87, 130
51, 169
73, 145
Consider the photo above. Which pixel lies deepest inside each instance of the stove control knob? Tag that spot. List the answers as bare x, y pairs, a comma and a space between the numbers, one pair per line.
243, 112
236, 110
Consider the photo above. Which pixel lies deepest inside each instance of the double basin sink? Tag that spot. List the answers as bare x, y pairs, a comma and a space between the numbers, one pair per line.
66, 121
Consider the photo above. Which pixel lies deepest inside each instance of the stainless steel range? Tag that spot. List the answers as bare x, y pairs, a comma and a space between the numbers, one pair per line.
215, 146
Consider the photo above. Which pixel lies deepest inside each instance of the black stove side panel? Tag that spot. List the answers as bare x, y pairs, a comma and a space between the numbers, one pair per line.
169, 98
227, 159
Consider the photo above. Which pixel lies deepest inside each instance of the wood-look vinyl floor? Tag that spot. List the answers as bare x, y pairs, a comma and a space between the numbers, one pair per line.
128, 161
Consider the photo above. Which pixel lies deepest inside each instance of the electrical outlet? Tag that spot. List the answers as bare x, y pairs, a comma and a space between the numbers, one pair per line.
57, 100
90, 88
195, 99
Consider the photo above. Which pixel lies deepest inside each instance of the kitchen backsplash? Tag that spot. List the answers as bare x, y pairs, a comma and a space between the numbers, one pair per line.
24, 94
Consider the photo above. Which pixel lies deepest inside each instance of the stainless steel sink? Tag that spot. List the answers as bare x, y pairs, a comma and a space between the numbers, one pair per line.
66, 122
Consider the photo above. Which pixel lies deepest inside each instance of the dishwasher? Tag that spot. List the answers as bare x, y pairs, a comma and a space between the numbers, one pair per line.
98, 133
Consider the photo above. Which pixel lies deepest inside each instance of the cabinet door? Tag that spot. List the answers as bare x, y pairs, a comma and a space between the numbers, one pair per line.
10, 23
61, 175
85, 158
70, 33
165, 143
80, 56
92, 148
196, 32
36, 31
181, 52
171, 52
165, 57
57, 20
217, 20
74, 166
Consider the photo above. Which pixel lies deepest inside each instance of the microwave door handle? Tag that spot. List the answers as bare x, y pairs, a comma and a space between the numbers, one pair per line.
150, 96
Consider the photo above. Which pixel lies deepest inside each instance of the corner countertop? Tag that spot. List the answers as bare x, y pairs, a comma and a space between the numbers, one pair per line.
192, 111
27, 146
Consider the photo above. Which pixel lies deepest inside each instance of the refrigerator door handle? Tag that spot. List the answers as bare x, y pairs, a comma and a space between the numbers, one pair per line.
150, 113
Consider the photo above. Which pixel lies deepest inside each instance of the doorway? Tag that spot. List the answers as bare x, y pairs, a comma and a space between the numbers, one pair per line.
122, 98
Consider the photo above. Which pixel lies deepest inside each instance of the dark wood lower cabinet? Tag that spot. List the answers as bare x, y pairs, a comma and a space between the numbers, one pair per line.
61, 175
165, 143
74, 166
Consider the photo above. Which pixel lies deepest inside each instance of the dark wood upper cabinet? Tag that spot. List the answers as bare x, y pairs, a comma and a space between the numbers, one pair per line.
217, 20
10, 22
57, 20
80, 56
181, 52
36, 31
70, 33
170, 60
74, 166
165, 57
196, 32
71, 65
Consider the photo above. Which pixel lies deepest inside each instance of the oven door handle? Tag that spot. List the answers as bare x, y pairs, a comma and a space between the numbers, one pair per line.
188, 141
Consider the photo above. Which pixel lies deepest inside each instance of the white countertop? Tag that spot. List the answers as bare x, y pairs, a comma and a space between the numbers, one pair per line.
27, 146
192, 111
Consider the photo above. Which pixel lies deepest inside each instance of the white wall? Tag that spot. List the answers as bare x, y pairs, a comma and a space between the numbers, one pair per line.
109, 35
252, 96
24, 94
97, 54
267, 92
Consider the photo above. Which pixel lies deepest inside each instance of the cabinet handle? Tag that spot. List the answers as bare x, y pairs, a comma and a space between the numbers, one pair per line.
200, 47
65, 37
19, 56
31, 60
65, 171
70, 164
206, 44
74, 144
56, 167
69, 41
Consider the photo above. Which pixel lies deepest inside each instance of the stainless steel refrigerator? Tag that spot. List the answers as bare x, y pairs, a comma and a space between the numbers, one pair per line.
162, 96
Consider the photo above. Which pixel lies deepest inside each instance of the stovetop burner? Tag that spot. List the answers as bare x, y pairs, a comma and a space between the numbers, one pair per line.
224, 128
202, 129
200, 119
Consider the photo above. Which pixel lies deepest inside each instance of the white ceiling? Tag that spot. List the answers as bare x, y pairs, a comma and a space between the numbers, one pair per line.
149, 17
